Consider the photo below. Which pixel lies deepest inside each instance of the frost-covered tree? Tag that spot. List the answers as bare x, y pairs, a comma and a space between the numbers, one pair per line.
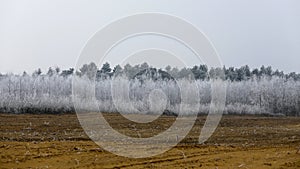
37, 72
257, 91
88, 70
66, 73
118, 70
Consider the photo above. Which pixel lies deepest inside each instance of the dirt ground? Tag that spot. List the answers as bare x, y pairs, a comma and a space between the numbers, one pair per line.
58, 141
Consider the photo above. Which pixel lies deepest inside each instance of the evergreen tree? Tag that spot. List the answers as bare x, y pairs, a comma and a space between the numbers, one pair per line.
231, 74
168, 69
66, 73
50, 72
88, 70
105, 68
117, 70
36, 73
144, 66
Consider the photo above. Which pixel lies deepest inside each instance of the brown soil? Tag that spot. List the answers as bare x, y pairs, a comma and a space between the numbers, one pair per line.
58, 141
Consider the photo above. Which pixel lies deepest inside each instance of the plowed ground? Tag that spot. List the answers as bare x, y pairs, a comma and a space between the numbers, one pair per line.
58, 141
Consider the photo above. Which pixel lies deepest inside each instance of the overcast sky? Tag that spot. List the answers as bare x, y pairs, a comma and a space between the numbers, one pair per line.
39, 33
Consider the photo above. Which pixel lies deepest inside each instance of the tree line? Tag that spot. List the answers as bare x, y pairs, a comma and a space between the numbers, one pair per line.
256, 91
201, 72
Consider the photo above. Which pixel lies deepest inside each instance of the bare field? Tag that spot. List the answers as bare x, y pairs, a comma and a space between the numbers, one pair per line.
58, 141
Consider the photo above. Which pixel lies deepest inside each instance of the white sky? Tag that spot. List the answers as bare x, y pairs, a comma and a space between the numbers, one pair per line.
43, 33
